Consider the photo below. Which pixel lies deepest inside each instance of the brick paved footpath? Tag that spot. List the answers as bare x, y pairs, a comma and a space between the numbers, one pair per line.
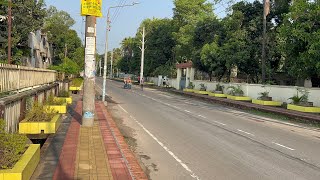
98, 152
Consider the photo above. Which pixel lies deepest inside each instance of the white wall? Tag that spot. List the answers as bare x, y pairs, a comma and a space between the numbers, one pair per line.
278, 93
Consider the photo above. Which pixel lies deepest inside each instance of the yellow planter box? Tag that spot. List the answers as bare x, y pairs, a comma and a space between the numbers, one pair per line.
266, 103
202, 92
220, 95
211, 94
61, 109
188, 90
303, 109
74, 88
239, 98
25, 167
36, 127
68, 100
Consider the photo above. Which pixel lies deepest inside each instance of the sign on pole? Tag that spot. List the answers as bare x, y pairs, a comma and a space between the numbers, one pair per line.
91, 8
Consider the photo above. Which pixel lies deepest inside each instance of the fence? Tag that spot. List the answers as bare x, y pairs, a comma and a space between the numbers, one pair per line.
14, 77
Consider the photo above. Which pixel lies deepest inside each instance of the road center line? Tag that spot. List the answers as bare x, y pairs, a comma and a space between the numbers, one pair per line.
123, 109
283, 146
245, 132
202, 116
219, 123
192, 174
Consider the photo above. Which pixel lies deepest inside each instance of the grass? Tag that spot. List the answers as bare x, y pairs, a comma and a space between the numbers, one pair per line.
77, 82
283, 118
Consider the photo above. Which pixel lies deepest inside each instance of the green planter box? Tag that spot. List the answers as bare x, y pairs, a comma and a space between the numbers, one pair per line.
26, 127
303, 108
266, 103
25, 167
239, 98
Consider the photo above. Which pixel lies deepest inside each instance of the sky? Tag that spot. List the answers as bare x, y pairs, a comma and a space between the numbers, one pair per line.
123, 25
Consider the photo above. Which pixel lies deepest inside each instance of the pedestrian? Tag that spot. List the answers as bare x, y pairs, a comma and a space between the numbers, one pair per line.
141, 83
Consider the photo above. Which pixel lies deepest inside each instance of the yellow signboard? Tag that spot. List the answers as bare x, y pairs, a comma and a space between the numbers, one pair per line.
91, 8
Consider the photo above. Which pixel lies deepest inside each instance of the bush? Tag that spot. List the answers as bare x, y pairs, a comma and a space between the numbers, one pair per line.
39, 114
12, 146
52, 101
202, 87
77, 82
219, 87
235, 91
64, 94
300, 100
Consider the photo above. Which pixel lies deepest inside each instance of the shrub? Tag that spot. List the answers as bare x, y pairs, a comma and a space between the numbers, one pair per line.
202, 87
235, 91
219, 87
40, 114
12, 146
77, 82
303, 99
52, 101
64, 94
190, 86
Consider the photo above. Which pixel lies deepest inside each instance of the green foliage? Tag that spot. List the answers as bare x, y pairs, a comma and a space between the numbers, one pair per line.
202, 87
300, 39
12, 146
52, 101
235, 90
191, 85
264, 95
77, 82
219, 87
40, 114
297, 99
68, 67
64, 94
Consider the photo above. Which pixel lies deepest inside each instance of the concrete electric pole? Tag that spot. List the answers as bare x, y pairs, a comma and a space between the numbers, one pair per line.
106, 49
142, 53
89, 75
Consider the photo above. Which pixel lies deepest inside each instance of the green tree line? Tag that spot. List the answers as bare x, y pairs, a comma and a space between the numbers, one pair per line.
30, 16
216, 45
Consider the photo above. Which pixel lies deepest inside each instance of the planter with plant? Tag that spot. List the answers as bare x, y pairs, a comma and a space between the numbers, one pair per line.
18, 159
202, 90
265, 100
40, 120
76, 84
236, 93
54, 104
64, 96
301, 102
218, 92
190, 88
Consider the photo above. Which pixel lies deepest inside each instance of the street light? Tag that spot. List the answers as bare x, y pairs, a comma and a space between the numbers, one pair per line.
106, 49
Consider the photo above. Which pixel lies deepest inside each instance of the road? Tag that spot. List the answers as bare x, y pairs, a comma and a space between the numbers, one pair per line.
183, 138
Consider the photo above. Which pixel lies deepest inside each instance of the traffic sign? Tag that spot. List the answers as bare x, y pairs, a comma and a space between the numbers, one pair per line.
91, 8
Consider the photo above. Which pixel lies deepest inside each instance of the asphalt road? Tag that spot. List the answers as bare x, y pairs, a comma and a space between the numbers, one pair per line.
185, 138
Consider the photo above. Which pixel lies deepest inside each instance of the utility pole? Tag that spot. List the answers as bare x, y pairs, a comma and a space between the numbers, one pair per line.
65, 50
9, 31
142, 53
100, 66
111, 69
266, 11
106, 58
89, 75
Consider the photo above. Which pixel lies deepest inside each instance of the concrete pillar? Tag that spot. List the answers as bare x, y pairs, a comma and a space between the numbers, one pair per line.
179, 72
192, 72
187, 77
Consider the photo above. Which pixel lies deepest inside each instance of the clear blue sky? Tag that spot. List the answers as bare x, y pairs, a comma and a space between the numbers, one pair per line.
127, 22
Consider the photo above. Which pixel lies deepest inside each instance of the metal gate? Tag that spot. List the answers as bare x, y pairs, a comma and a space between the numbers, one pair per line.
182, 83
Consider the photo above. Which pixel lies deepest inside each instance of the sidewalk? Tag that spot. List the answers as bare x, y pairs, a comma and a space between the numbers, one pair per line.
97, 152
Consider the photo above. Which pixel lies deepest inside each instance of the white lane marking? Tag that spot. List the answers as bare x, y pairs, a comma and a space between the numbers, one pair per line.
202, 116
219, 123
283, 146
192, 174
187, 111
165, 96
245, 132
123, 109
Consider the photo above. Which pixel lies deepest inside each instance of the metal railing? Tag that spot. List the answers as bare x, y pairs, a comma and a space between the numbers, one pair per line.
15, 77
